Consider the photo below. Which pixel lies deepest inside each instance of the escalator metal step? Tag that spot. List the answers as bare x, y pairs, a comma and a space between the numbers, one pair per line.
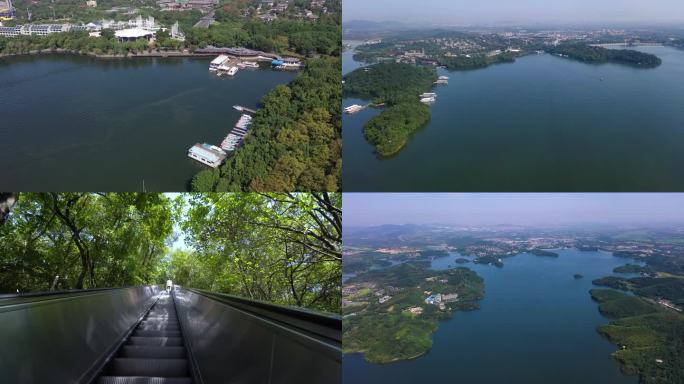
149, 367
142, 380
156, 333
156, 318
159, 321
134, 351
156, 341
157, 327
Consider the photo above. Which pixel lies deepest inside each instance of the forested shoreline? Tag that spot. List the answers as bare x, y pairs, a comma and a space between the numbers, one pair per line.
295, 142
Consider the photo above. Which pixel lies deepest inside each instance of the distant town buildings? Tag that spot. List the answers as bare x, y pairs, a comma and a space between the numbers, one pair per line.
182, 5
434, 299
415, 310
7, 11
126, 30
91, 3
384, 299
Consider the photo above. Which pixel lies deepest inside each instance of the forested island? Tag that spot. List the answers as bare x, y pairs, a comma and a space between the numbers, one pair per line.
541, 252
390, 314
398, 87
589, 54
459, 63
391, 130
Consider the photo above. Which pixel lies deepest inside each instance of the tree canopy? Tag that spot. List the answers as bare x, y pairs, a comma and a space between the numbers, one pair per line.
282, 248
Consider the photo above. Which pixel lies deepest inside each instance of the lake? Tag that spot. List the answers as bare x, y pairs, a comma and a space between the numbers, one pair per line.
72, 123
536, 325
543, 123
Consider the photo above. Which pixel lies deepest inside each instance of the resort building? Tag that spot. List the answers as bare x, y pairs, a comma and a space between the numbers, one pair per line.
210, 155
449, 297
416, 310
435, 299
132, 34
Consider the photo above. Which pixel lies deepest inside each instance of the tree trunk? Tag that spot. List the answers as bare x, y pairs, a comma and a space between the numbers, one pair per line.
7, 201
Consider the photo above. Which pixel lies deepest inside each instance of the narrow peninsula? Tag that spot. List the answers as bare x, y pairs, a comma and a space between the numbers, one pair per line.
390, 314
397, 86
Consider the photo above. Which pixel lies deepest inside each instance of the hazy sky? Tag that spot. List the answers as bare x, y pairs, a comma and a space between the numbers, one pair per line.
367, 209
463, 12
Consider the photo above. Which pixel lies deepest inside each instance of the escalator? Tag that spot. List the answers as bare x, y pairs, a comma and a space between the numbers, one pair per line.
154, 353
143, 335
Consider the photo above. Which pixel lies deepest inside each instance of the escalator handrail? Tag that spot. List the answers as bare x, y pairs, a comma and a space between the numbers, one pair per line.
325, 326
14, 301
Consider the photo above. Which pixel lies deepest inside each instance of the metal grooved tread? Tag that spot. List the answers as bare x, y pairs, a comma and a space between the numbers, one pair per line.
154, 353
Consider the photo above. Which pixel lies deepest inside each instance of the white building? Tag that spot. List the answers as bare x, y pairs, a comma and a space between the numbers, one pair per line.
132, 34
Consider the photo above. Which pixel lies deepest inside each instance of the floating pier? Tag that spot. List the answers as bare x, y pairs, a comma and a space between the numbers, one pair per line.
237, 134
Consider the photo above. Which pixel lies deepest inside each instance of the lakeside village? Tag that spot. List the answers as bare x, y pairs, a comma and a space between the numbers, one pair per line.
383, 295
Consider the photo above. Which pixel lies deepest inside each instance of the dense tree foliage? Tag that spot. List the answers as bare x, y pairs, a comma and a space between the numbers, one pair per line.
651, 336
305, 38
388, 331
83, 240
389, 82
391, 130
70, 41
295, 142
475, 61
283, 248
589, 54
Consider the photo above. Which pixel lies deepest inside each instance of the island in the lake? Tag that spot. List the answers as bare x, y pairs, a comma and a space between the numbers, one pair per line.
599, 55
390, 314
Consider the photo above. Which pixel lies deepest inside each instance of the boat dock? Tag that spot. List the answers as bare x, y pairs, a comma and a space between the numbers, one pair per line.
213, 155
237, 134
230, 62
428, 98
444, 80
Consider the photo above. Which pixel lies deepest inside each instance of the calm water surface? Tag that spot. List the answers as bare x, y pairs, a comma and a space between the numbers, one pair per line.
74, 123
541, 124
536, 325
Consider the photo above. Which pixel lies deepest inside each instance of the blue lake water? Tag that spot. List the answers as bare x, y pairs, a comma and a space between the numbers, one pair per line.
543, 123
537, 324
73, 123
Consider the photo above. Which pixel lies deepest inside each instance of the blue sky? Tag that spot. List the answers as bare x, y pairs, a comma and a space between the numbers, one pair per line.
464, 12
367, 209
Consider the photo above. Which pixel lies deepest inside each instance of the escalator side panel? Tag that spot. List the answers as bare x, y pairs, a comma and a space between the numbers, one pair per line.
62, 341
232, 346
